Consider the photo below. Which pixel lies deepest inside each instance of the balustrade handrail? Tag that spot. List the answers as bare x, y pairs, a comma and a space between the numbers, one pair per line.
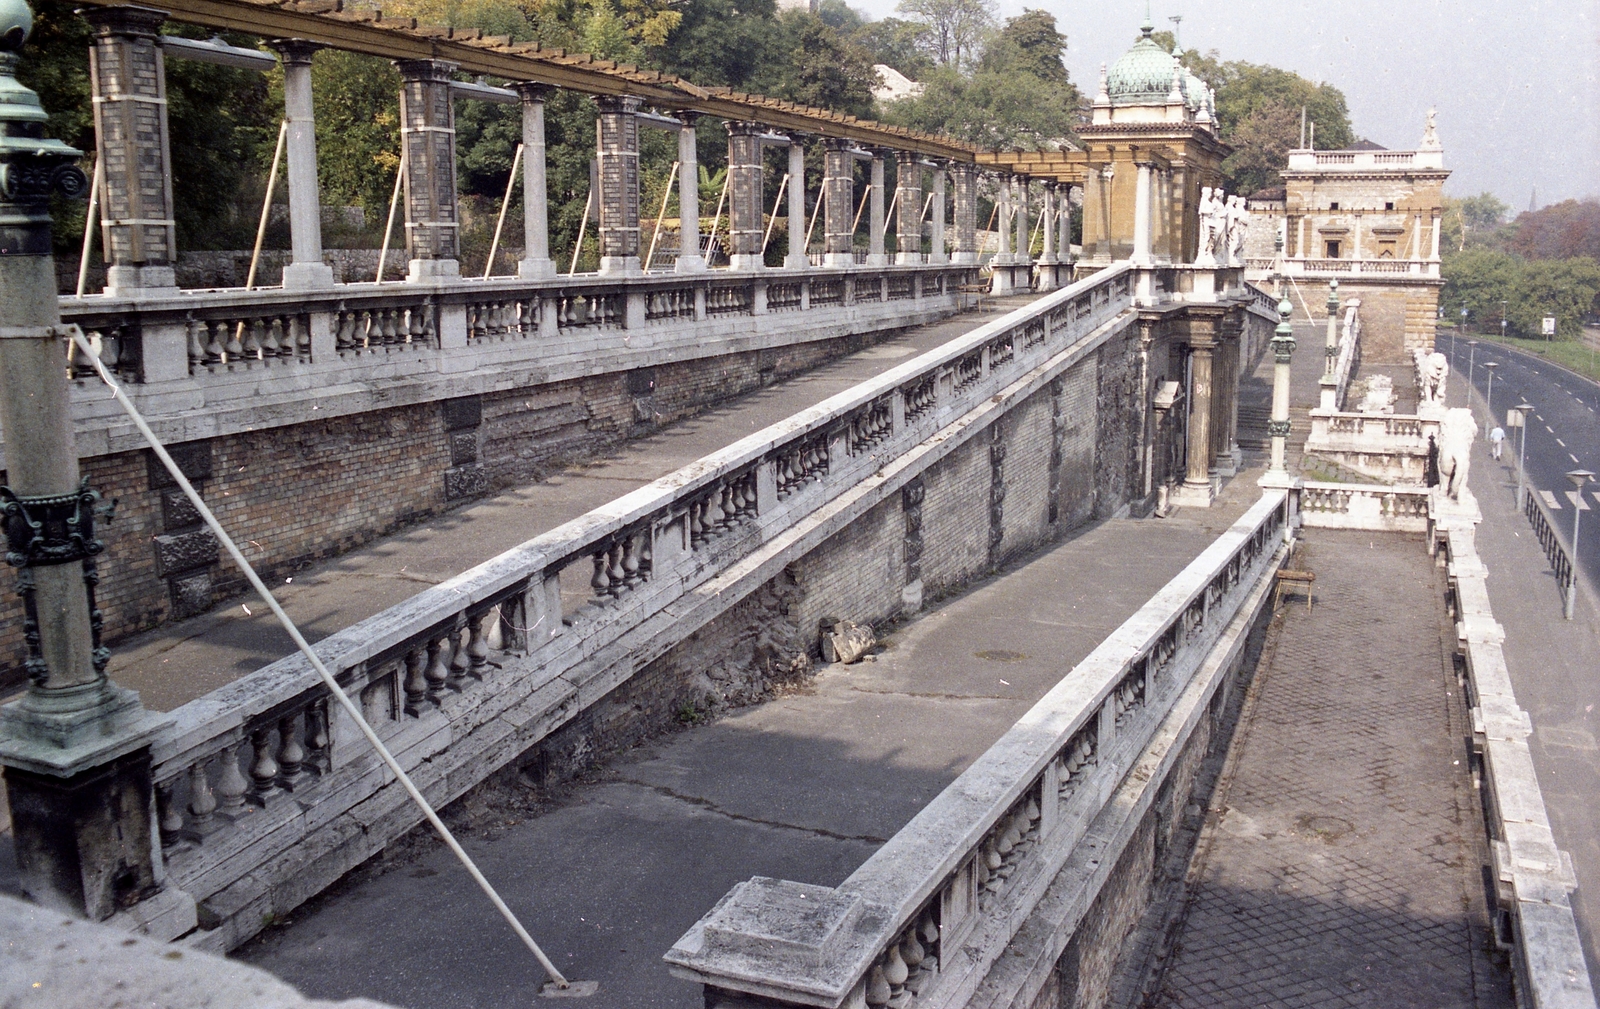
1100, 715
209, 722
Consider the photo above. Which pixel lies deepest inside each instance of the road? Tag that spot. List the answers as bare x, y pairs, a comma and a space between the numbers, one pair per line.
1563, 433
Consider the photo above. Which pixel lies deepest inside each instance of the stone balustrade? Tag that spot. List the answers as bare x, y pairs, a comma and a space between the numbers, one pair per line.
1533, 879
928, 917
209, 363
1322, 268
1363, 506
1389, 447
470, 673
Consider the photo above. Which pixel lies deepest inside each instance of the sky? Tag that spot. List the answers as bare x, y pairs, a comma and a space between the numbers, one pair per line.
1516, 84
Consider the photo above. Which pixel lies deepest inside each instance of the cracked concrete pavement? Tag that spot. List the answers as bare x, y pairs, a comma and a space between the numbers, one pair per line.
804, 787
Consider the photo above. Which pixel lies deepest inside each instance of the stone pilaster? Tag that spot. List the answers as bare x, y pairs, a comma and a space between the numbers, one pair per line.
966, 212
744, 195
690, 259
839, 203
796, 259
306, 269
875, 215
428, 135
937, 253
536, 263
128, 76
618, 154
908, 219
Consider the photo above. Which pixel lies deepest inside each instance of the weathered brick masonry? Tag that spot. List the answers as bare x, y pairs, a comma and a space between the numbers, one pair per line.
306, 492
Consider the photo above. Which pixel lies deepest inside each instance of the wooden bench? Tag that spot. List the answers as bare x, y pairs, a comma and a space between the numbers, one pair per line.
1289, 582
978, 293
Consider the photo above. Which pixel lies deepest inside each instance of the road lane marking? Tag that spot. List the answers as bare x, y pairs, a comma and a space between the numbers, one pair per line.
1547, 427
1559, 441
1577, 501
1573, 457
1550, 500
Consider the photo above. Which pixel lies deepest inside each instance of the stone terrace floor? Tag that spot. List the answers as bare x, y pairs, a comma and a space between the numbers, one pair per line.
179, 662
1340, 861
609, 873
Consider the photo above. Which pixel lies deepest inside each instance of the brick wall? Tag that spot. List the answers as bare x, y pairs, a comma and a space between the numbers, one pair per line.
1396, 318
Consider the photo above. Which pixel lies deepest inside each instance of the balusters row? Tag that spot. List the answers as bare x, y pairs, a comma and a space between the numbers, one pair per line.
1076, 761
827, 292
869, 426
727, 504
901, 286
968, 370
727, 299
1033, 335
508, 319
783, 297
279, 756
440, 663
116, 348
921, 397
1001, 351
800, 463
1128, 697
215, 344
384, 327
673, 303
575, 311
622, 563
907, 966
1002, 850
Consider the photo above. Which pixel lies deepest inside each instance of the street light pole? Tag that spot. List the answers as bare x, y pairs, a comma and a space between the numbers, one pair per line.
1472, 358
1580, 479
1502, 318
1488, 398
1523, 412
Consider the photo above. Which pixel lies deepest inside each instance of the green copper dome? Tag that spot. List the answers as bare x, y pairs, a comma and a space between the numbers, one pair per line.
1143, 75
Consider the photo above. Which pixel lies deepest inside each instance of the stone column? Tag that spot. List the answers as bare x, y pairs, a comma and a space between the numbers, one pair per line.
128, 77
875, 223
1019, 212
1328, 386
536, 263
1064, 225
75, 747
306, 269
908, 219
1141, 216
966, 208
744, 196
839, 206
428, 133
1225, 381
938, 254
618, 154
1277, 475
1002, 221
1047, 229
1196, 487
690, 259
796, 259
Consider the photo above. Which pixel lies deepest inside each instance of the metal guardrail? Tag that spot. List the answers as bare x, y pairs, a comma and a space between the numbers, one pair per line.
1556, 551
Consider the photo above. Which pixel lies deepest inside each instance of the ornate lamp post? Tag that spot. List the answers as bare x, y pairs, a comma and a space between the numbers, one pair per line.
1580, 479
1278, 427
1330, 378
1488, 397
76, 747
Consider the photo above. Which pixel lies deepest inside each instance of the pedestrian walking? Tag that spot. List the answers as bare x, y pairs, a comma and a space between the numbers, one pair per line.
1497, 440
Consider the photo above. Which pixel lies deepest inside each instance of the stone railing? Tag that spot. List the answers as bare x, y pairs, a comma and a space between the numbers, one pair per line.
1301, 267
1533, 879
1363, 506
508, 650
1560, 557
1391, 447
928, 916
244, 360
1349, 355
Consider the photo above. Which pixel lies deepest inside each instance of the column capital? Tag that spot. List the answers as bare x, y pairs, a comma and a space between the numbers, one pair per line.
432, 71
534, 92
688, 117
615, 104
744, 128
130, 20
296, 52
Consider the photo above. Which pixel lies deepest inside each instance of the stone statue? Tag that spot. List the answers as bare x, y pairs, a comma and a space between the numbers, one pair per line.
1432, 370
1206, 254
1457, 433
1239, 218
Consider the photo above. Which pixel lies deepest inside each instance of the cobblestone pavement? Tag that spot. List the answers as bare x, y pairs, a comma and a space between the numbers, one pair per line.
1341, 861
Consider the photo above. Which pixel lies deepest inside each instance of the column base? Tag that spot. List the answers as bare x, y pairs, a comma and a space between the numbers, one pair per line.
937, 259
793, 262
964, 258
1001, 281
1276, 479
746, 261
690, 264
64, 731
837, 259
908, 259
423, 270
133, 281
620, 266
1192, 495
536, 269
877, 259
307, 277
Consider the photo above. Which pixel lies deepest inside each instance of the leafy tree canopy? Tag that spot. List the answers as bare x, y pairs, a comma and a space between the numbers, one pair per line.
1478, 279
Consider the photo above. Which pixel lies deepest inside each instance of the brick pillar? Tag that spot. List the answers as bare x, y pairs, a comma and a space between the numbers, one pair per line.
937, 254
875, 214
307, 270
966, 211
536, 262
618, 154
428, 134
128, 75
908, 219
744, 195
839, 206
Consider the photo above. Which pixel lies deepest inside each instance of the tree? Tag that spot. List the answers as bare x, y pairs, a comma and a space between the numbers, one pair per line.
823, 68
896, 43
955, 27
1560, 231
1479, 279
1029, 43
1474, 217
1261, 144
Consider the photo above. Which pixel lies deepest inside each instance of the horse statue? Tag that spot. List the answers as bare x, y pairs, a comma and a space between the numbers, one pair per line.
1457, 433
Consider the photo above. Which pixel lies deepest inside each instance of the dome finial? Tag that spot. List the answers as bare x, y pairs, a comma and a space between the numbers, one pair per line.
1148, 28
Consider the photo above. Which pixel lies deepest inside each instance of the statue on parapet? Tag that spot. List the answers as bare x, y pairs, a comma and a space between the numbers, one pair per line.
1457, 433
1432, 371
1211, 225
1238, 225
